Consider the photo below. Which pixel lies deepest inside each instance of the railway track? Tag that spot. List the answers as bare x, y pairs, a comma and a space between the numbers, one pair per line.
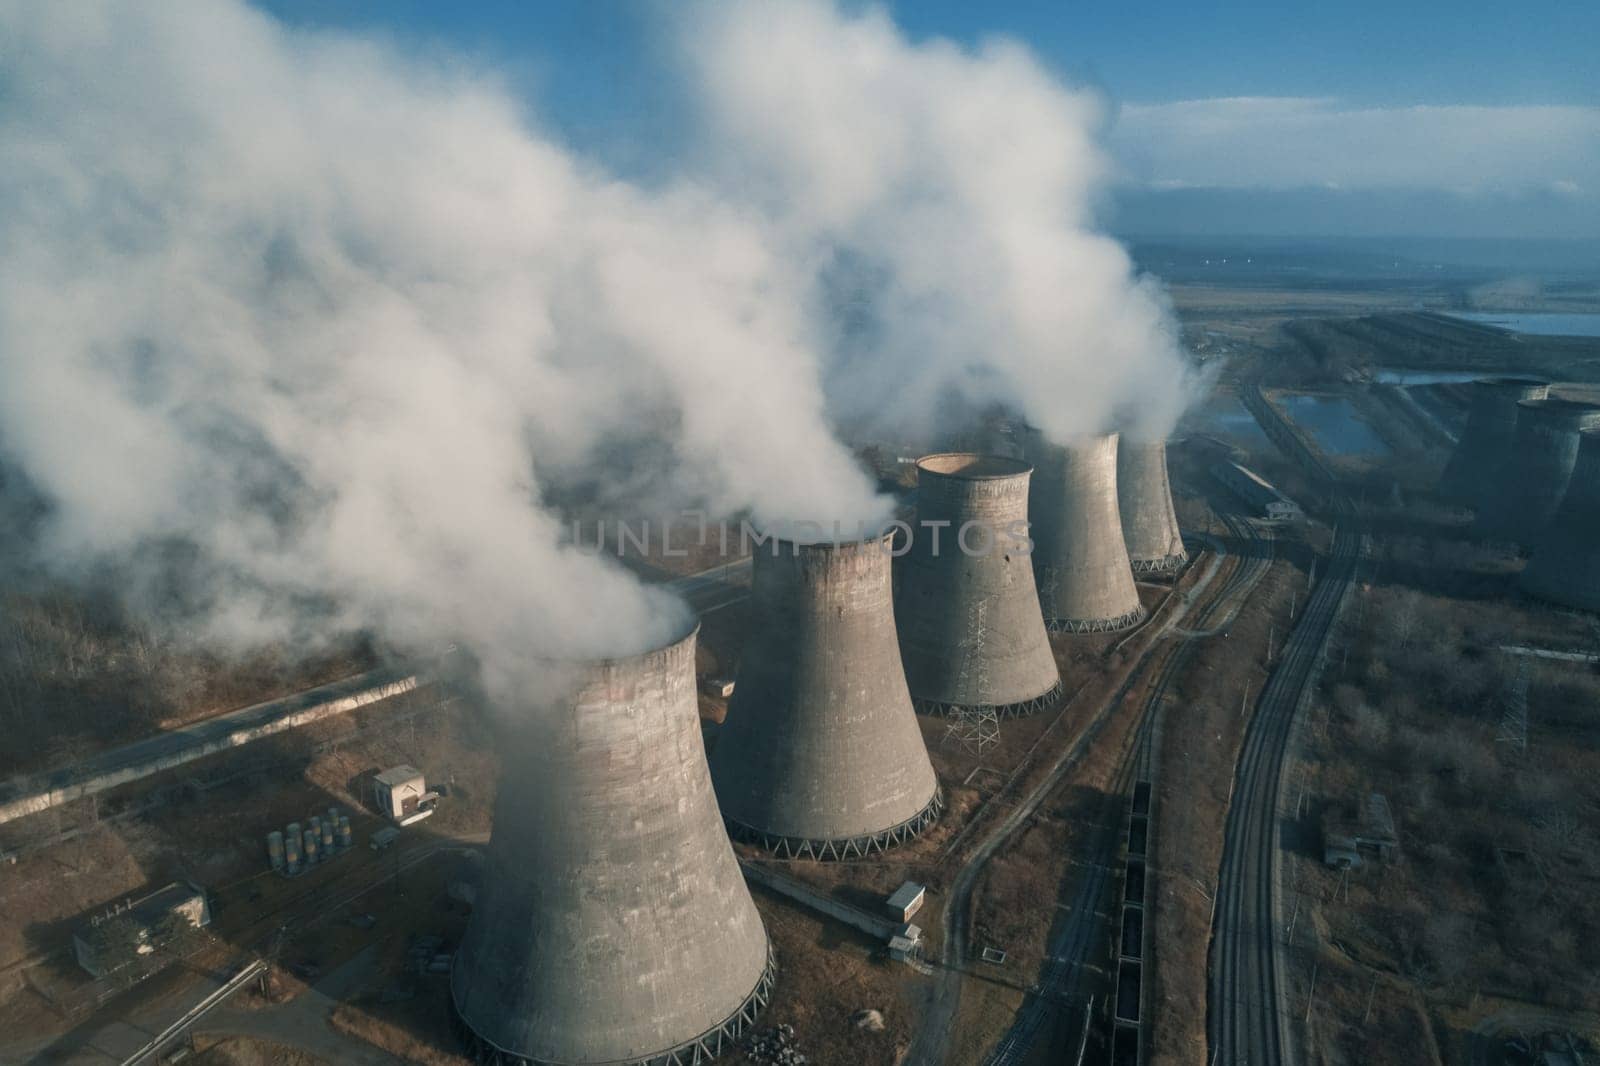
1246, 1021
1066, 971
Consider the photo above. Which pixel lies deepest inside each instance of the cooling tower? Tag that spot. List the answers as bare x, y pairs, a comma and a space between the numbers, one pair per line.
1080, 559
1531, 482
612, 924
821, 754
971, 633
1491, 428
1565, 567
1144, 500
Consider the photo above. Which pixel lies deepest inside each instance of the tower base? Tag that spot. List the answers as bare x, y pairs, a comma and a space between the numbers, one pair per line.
1021, 709
1097, 625
702, 1049
794, 847
1167, 564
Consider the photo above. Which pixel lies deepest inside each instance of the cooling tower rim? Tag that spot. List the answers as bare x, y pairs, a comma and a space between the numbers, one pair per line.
687, 632
795, 546
981, 466
1072, 440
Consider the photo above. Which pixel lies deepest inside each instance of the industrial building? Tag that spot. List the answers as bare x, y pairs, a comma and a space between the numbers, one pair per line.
971, 631
1257, 492
1530, 485
401, 795
1486, 441
612, 924
1144, 500
1080, 558
821, 755
1565, 566
132, 934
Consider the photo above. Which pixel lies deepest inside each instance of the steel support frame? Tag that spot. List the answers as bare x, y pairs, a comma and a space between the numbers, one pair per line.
836, 850
1097, 625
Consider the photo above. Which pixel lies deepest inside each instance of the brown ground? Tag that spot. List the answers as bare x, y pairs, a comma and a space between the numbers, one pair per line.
246, 1051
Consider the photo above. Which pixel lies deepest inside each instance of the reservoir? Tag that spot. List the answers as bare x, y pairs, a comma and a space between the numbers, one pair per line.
1551, 324
1333, 424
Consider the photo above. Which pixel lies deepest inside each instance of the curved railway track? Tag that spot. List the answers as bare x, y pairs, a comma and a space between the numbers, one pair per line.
1246, 1021
1083, 925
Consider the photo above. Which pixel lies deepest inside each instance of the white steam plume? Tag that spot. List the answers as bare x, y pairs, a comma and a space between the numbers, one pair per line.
331, 315
948, 196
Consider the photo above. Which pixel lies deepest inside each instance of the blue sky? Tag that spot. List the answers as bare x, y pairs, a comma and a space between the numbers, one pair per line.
1443, 118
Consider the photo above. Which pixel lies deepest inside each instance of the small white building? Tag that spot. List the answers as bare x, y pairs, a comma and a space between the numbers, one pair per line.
402, 795
906, 901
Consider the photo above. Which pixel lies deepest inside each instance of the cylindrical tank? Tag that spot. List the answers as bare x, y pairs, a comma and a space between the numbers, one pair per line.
1565, 567
1144, 502
821, 755
1486, 440
327, 837
612, 922
1534, 477
346, 834
313, 845
275, 849
333, 820
971, 633
1080, 558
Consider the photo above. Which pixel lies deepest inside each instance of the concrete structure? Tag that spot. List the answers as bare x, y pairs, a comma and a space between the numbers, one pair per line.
1529, 486
402, 795
612, 924
1565, 567
1144, 499
821, 754
971, 632
906, 900
130, 934
1485, 443
1257, 492
1080, 558
168, 750
1345, 839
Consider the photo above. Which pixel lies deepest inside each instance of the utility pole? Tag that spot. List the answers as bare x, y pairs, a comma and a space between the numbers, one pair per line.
1311, 994
1371, 992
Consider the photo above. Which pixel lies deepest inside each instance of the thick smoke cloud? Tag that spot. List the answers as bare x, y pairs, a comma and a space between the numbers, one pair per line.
947, 196
327, 319
326, 327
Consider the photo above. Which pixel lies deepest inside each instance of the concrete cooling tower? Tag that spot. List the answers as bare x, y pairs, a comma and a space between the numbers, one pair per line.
1144, 500
1080, 558
1565, 567
971, 632
1491, 428
612, 924
821, 755
1531, 482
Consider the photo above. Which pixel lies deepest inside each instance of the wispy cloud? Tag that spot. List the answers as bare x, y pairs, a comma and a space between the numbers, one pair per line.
1304, 142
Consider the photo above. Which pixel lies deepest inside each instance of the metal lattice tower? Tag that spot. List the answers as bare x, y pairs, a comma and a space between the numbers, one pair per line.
1513, 731
976, 727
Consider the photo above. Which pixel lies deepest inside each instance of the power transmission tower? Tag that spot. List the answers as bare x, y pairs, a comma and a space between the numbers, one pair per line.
975, 725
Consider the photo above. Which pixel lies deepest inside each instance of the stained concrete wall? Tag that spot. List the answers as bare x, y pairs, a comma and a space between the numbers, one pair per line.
612, 924
1533, 480
1565, 567
1144, 502
1080, 558
971, 631
1487, 440
821, 742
